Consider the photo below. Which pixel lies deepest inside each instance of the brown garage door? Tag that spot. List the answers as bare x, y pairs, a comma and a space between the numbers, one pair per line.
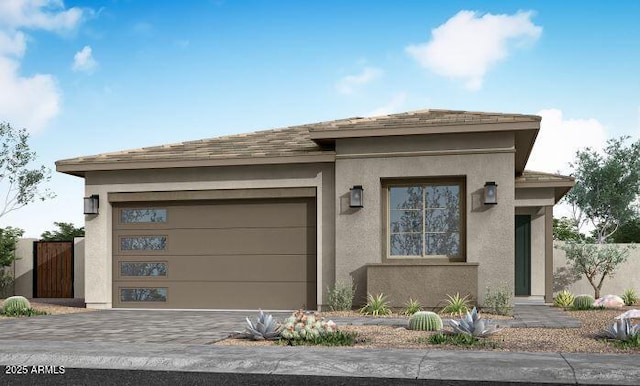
240, 254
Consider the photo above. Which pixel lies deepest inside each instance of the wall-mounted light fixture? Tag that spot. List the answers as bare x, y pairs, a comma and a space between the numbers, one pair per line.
91, 204
356, 196
490, 193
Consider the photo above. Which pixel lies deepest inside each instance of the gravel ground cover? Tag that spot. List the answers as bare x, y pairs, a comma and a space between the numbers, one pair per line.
570, 340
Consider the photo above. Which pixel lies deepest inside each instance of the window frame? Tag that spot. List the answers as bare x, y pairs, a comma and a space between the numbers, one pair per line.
387, 184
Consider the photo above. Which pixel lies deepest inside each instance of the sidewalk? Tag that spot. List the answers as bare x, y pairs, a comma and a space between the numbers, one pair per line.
295, 365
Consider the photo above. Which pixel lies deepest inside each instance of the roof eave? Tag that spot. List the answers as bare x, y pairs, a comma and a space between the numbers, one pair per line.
81, 168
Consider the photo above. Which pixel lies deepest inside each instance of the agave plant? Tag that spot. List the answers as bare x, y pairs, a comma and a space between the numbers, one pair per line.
472, 324
621, 329
456, 305
376, 305
411, 307
564, 298
265, 327
629, 297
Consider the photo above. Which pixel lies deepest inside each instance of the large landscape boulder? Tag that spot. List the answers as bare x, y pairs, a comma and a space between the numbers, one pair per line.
631, 314
609, 301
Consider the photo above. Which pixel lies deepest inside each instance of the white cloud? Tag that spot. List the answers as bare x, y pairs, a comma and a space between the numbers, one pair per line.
466, 46
30, 101
560, 138
349, 83
12, 44
48, 15
83, 60
393, 106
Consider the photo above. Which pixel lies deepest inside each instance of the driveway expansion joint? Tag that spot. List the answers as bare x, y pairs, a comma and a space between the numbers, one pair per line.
573, 371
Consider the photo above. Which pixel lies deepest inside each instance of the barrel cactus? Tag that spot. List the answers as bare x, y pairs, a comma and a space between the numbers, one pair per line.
564, 298
425, 321
16, 304
583, 302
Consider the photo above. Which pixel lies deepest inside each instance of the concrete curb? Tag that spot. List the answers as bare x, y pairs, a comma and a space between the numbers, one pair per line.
464, 366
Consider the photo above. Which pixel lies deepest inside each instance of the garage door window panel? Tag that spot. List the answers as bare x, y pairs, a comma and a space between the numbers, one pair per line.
143, 216
143, 243
143, 269
143, 294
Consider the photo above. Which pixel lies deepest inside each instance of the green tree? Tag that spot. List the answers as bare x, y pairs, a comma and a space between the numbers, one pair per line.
595, 261
607, 186
628, 232
8, 238
566, 229
65, 231
604, 196
19, 184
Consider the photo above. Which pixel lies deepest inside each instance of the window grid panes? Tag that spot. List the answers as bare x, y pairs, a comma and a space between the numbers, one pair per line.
424, 220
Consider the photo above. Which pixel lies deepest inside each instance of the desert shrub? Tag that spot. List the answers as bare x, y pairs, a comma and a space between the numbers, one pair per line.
457, 340
376, 305
341, 297
456, 305
498, 300
335, 338
629, 297
564, 299
23, 312
411, 307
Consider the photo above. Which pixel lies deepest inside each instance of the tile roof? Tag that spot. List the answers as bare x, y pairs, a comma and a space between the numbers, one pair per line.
294, 140
542, 177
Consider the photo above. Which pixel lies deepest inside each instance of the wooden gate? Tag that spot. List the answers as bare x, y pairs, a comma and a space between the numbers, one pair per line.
53, 269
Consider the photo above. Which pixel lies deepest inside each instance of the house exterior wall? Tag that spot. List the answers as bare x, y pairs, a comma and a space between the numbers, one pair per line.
23, 268
98, 244
476, 157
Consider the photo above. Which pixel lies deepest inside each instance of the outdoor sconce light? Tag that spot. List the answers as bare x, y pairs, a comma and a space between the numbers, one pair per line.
91, 204
355, 197
490, 193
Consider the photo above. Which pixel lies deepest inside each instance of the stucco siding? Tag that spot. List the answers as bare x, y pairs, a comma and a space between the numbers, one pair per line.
98, 244
489, 229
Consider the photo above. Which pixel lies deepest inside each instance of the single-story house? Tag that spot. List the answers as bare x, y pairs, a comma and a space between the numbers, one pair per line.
419, 204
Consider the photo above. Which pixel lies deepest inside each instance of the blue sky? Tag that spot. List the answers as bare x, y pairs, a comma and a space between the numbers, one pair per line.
87, 77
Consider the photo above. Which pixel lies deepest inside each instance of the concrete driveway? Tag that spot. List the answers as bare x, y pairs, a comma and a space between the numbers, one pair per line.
129, 326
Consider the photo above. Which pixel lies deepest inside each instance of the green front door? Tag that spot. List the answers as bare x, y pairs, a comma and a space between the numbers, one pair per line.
523, 255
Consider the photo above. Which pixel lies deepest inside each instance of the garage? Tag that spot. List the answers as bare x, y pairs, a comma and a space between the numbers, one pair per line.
214, 254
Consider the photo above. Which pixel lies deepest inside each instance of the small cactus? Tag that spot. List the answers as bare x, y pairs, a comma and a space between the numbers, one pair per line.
425, 321
16, 304
583, 302
564, 298
306, 326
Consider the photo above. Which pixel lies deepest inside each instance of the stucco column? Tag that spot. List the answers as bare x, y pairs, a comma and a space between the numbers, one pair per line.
98, 270
548, 253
